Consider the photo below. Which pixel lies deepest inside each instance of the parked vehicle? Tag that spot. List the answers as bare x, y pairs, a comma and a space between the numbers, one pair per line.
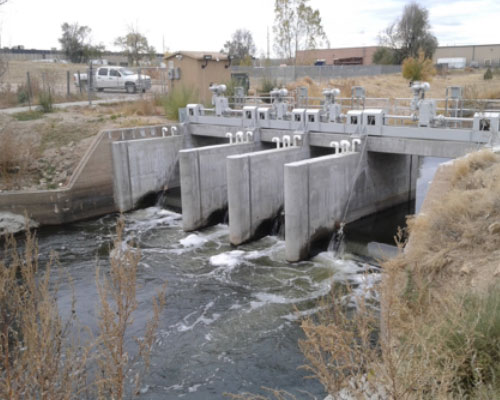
115, 78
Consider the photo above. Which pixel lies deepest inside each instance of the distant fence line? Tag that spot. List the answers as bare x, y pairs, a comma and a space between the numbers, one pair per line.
318, 73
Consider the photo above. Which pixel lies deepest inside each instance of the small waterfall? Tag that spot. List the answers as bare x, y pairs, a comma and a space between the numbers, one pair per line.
278, 226
337, 242
161, 199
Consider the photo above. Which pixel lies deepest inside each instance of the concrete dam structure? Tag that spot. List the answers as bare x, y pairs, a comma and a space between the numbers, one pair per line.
317, 166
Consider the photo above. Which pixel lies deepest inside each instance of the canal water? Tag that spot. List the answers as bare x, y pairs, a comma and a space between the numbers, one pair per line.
231, 321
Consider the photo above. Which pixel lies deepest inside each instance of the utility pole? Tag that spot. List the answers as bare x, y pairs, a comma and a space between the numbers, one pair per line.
268, 57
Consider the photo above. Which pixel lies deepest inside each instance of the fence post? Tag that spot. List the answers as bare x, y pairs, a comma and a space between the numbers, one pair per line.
30, 94
140, 81
67, 83
89, 80
79, 82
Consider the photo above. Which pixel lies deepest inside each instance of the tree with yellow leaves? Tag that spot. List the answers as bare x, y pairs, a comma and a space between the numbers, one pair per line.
418, 69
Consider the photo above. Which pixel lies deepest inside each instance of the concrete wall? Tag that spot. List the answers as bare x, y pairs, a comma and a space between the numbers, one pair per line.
318, 193
284, 75
90, 189
204, 183
144, 166
255, 189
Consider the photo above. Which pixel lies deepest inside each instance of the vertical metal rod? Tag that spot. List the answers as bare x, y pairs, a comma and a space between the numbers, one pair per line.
140, 82
67, 83
89, 80
79, 82
30, 94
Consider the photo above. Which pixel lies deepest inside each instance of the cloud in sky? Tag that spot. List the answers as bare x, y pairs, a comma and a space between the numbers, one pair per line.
206, 25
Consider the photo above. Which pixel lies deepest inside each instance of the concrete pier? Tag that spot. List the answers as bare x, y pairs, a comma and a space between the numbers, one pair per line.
255, 189
144, 166
318, 193
204, 183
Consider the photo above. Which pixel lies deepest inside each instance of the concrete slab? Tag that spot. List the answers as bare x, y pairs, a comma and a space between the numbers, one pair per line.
144, 166
255, 189
322, 192
204, 183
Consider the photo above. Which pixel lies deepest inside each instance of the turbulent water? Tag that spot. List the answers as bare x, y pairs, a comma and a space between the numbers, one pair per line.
231, 318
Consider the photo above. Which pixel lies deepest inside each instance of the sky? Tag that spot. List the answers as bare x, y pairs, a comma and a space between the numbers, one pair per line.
207, 24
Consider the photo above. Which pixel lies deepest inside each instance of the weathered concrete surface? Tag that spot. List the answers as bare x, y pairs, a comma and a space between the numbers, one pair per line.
89, 194
204, 183
420, 147
318, 193
255, 189
90, 189
144, 166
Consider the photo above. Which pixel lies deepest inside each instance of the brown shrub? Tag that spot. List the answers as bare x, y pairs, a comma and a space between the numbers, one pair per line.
16, 156
43, 356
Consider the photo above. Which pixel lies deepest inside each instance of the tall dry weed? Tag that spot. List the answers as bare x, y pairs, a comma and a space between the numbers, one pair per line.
43, 356
118, 302
15, 159
36, 361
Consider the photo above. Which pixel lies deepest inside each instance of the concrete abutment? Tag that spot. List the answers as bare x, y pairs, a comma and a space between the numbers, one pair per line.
320, 193
204, 183
255, 189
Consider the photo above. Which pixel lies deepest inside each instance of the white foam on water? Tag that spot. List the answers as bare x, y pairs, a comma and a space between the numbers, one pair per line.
193, 388
298, 315
193, 240
202, 319
228, 259
151, 217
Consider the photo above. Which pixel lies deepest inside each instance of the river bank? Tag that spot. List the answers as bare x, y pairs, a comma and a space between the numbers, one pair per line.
439, 335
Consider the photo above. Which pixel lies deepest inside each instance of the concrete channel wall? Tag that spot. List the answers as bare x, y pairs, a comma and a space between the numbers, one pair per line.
204, 183
90, 190
144, 166
322, 192
255, 189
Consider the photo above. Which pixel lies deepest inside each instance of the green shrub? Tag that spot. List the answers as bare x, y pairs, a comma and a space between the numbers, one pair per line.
179, 97
488, 74
46, 101
265, 87
22, 95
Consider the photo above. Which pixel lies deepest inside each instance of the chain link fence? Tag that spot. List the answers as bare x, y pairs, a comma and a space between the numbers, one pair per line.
70, 82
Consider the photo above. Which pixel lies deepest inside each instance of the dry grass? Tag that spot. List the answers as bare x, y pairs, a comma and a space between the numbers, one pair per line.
395, 86
461, 231
15, 156
42, 356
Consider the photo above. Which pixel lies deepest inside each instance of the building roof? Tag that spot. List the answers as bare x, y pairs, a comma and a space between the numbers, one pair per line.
200, 55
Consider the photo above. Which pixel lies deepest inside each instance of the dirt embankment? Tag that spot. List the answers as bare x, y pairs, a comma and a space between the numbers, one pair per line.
41, 151
455, 240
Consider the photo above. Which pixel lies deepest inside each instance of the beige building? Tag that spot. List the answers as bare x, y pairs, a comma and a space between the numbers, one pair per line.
197, 70
483, 54
341, 56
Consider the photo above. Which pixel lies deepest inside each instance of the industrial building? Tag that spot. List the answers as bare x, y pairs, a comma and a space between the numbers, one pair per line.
341, 56
480, 55
476, 55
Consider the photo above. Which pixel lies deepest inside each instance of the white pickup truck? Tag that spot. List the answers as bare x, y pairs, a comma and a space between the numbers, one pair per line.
115, 78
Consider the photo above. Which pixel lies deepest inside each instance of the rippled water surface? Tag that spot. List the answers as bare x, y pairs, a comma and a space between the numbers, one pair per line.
231, 319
